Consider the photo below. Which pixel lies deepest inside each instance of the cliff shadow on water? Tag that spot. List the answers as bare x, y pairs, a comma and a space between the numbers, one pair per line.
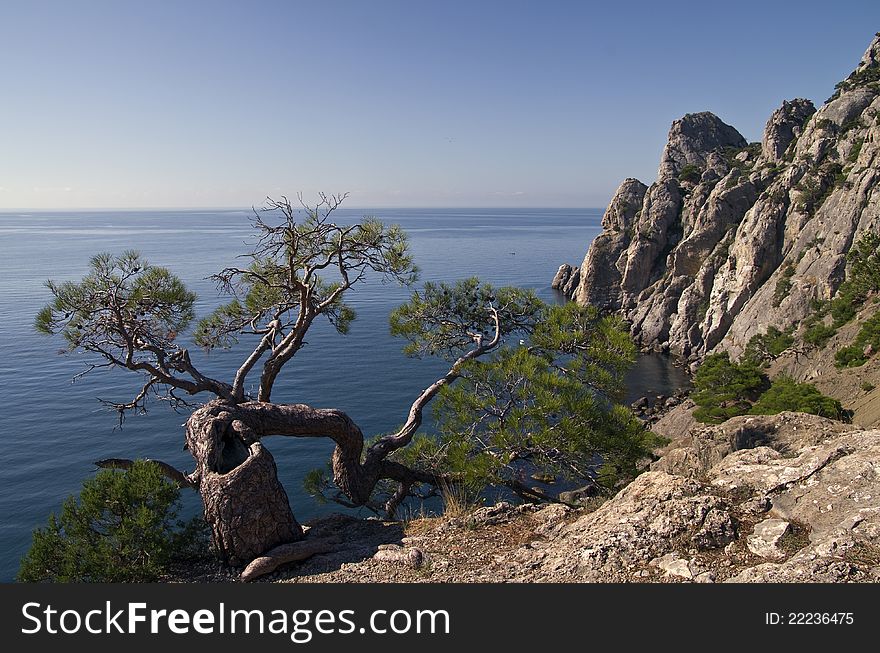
653, 375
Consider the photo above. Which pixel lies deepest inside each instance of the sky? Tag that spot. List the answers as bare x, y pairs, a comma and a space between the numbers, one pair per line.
541, 103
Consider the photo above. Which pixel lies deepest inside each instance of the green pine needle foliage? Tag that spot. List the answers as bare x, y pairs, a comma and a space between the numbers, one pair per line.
123, 527
785, 394
726, 389
548, 401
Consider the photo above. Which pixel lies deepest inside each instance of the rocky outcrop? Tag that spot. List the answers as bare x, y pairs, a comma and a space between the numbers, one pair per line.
734, 238
692, 138
795, 498
566, 280
695, 448
603, 268
785, 125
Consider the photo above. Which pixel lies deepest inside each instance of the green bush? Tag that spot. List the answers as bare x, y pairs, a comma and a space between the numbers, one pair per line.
783, 285
817, 334
814, 191
868, 336
869, 333
867, 386
851, 356
863, 77
856, 149
842, 309
862, 279
787, 394
864, 261
122, 528
690, 173
765, 347
725, 389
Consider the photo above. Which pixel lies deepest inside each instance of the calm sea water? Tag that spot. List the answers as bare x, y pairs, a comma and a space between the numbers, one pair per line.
53, 429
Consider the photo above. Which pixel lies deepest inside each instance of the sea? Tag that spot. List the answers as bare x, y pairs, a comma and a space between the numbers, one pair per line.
54, 427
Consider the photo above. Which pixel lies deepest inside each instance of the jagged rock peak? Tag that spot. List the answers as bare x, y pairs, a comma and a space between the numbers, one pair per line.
692, 138
871, 58
750, 237
624, 206
599, 281
785, 125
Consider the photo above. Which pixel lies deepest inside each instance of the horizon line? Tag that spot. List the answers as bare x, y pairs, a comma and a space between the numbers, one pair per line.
250, 208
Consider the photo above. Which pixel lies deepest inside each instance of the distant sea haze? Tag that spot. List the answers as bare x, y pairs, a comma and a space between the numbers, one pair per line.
55, 429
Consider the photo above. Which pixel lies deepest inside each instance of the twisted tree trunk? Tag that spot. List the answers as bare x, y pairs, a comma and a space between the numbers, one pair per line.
245, 504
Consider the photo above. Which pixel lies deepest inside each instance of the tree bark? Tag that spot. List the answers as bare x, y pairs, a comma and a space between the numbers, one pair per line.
245, 504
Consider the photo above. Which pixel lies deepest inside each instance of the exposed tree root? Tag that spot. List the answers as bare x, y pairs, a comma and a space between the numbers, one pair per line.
287, 553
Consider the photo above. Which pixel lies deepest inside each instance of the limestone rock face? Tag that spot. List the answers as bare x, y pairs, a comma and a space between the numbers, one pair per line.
602, 270
788, 497
784, 126
638, 525
691, 138
734, 238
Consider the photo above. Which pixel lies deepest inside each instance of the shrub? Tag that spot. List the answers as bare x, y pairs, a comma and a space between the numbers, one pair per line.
122, 528
814, 190
851, 356
783, 285
863, 77
842, 310
690, 173
818, 333
868, 336
855, 150
862, 279
765, 347
864, 260
867, 386
869, 333
725, 389
787, 394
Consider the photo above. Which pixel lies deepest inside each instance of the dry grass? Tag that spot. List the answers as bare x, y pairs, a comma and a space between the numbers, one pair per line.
863, 554
458, 502
796, 538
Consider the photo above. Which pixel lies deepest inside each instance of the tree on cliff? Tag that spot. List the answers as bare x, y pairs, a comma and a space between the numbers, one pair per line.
131, 314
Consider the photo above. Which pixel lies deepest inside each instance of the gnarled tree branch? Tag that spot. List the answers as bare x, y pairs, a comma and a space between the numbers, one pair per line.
180, 478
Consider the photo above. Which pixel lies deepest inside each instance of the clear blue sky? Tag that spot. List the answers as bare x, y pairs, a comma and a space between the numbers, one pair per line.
410, 103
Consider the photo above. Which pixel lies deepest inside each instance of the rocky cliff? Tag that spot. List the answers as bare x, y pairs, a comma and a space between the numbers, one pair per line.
734, 237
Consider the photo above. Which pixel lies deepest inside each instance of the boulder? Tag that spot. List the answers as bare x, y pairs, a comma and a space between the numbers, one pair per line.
764, 541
